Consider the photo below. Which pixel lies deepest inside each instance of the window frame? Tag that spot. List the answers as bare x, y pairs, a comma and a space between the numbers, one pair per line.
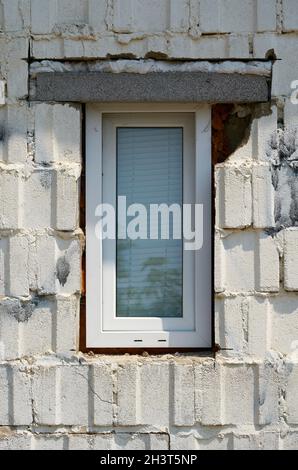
96, 335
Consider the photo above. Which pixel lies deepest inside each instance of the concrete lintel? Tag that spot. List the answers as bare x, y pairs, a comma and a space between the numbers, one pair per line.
210, 87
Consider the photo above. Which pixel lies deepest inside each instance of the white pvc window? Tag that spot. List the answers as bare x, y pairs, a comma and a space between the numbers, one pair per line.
147, 293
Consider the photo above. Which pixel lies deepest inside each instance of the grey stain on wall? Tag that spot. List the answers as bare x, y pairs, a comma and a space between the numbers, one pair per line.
21, 310
283, 156
62, 270
45, 179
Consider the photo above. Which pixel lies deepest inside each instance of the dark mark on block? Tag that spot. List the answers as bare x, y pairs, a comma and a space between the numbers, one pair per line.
62, 270
21, 310
45, 179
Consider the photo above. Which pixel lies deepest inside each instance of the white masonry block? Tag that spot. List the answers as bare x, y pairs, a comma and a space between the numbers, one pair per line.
291, 260
266, 15
3, 265
219, 261
49, 442
217, 442
60, 395
46, 396
269, 394
232, 325
10, 184
263, 197
17, 79
239, 385
103, 441
2, 92
67, 201
258, 326
256, 441
37, 200
240, 248
72, 11
13, 148
42, 265
158, 441
123, 16
290, 15
130, 16
90, 441
16, 15
267, 264
25, 327
236, 194
184, 407
200, 48
128, 441
219, 173
179, 15
98, 15
184, 441
18, 266
284, 323
127, 383
14, 47
238, 45
291, 394
208, 378
56, 265
9, 330
67, 324
43, 16
58, 133
74, 395
15, 441
290, 441
81, 442
218, 320
22, 395
15, 404
154, 394
102, 394
36, 328
5, 418
222, 19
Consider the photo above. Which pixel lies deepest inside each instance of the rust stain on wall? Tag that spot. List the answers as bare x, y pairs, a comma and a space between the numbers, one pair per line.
230, 130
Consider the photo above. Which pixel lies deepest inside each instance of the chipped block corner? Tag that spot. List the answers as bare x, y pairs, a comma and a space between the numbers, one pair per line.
52, 396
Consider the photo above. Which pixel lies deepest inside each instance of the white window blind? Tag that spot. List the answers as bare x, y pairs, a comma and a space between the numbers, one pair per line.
149, 272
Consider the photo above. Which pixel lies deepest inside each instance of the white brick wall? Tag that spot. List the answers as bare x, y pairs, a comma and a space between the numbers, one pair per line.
51, 395
290, 16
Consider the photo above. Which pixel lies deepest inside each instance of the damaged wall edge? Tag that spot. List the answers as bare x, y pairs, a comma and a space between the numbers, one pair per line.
188, 87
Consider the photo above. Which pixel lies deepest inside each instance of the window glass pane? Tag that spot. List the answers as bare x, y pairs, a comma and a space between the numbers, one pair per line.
149, 272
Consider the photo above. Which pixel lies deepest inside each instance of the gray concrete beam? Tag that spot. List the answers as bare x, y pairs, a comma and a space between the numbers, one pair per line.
190, 87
